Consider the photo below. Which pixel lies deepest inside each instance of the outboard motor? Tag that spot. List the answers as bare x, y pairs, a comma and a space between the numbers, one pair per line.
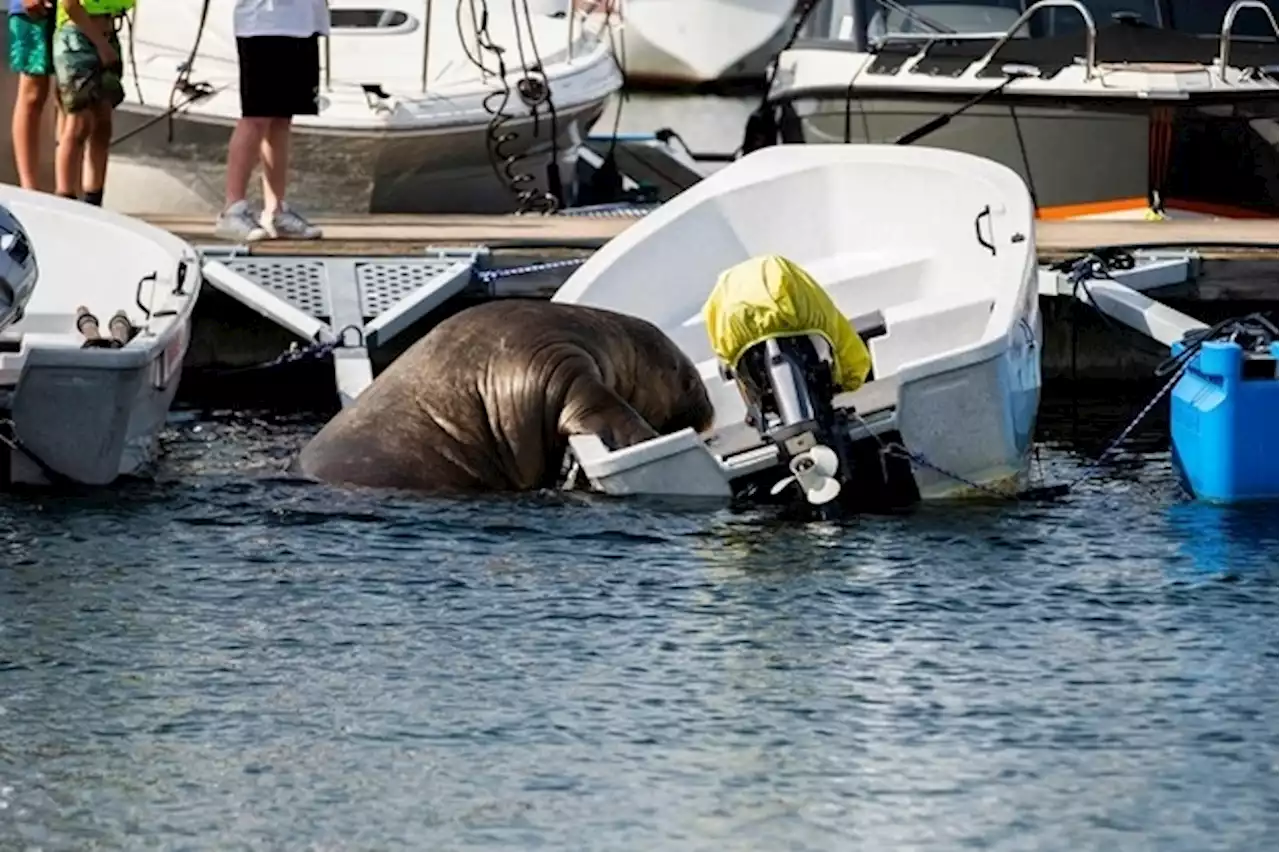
18, 268
787, 385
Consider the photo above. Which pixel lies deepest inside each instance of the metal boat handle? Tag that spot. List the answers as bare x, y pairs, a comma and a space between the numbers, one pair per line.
1229, 21
1090, 37
137, 296
977, 229
1029, 331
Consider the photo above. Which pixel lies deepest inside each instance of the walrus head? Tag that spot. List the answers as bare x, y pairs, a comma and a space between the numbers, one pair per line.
691, 406
665, 387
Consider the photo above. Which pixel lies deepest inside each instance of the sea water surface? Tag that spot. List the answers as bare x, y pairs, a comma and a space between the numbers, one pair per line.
222, 660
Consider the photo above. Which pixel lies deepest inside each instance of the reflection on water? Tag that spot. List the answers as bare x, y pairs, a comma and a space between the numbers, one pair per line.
225, 660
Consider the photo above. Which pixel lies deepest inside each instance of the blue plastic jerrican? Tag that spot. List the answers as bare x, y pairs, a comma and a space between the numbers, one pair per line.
1224, 421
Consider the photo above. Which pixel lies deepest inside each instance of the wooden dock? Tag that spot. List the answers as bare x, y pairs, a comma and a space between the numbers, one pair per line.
392, 234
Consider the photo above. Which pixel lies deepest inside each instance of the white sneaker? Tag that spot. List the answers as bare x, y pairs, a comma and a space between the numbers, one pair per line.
288, 224
238, 223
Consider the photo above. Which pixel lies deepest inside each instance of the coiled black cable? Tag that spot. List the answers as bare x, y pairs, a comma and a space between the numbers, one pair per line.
534, 91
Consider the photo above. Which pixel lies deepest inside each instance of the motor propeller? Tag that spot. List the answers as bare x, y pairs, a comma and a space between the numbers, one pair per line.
814, 471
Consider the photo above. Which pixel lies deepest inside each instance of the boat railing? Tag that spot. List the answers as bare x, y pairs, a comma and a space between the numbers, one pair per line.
1002, 38
1090, 34
328, 78
426, 50
1229, 22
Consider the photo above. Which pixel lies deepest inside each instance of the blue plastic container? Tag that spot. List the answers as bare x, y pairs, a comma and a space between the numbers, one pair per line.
1224, 423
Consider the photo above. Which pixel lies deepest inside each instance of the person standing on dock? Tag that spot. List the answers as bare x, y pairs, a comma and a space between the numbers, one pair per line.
86, 63
31, 58
278, 45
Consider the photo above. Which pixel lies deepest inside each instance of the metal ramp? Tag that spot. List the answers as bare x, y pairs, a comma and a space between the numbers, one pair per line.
1146, 270
328, 300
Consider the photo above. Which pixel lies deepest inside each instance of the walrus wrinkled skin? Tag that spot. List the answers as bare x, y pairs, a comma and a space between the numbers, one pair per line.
487, 400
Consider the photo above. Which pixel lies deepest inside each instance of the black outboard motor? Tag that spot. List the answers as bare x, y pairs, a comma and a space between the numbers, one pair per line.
18, 268
788, 387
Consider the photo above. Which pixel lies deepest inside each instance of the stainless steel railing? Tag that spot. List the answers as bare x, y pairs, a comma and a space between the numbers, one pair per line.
1090, 38
426, 43
1229, 21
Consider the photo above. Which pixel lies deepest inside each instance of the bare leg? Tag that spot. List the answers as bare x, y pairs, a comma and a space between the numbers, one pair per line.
97, 151
242, 155
32, 93
69, 162
275, 165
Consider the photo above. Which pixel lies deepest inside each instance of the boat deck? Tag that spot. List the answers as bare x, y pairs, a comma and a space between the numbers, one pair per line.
397, 234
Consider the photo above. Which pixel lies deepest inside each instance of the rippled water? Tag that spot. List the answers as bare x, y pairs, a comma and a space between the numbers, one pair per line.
222, 661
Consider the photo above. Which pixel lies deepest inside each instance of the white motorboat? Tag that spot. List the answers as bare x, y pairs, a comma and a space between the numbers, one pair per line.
1119, 110
929, 254
409, 120
89, 370
684, 42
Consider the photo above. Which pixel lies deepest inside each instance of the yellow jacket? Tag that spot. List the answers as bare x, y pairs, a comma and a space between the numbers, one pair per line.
770, 296
97, 7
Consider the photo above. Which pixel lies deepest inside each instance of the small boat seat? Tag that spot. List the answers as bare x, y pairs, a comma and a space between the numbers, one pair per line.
873, 397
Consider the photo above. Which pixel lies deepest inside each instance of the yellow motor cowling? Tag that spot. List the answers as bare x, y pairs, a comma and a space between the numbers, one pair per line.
770, 296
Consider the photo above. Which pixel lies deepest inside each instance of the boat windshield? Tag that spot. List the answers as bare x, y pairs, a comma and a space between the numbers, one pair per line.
871, 21
995, 17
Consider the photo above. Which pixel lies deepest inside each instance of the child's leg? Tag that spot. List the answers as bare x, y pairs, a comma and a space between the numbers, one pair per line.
110, 93
88, 92
30, 56
71, 147
32, 94
97, 150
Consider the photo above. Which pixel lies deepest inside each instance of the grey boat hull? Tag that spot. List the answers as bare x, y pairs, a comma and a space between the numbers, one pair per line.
1079, 156
178, 167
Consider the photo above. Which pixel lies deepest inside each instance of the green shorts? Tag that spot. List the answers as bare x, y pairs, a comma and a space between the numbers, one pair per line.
31, 45
83, 82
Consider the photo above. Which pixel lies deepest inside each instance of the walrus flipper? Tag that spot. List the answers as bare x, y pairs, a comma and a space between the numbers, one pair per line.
591, 408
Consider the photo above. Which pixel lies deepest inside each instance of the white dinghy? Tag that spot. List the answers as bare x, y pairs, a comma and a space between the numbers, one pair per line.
87, 374
929, 254
409, 121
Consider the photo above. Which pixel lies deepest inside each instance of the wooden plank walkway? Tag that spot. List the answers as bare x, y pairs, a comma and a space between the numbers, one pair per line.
387, 234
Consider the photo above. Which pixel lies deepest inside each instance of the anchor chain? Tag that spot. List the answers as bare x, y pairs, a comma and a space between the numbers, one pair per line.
314, 351
488, 276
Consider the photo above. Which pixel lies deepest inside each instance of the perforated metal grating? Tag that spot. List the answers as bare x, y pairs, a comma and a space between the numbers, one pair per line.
381, 285
301, 283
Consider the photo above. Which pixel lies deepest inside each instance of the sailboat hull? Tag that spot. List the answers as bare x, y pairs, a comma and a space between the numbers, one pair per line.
437, 170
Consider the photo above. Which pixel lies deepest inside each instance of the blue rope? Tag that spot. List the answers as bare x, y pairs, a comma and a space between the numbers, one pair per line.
1094, 465
488, 276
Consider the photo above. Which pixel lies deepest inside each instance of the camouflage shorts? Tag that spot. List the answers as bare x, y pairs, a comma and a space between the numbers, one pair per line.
83, 82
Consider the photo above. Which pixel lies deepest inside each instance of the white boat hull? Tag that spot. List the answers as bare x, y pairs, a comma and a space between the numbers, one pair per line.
930, 254
675, 42
408, 120
85, 415
430, 171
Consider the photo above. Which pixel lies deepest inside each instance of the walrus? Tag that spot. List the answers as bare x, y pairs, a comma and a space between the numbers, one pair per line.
487, 400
